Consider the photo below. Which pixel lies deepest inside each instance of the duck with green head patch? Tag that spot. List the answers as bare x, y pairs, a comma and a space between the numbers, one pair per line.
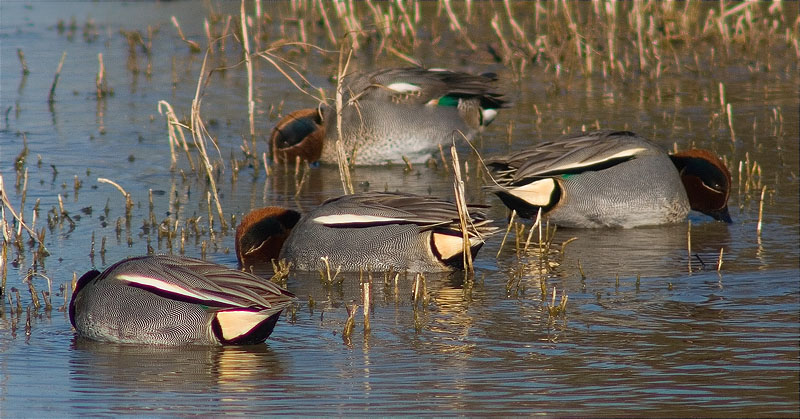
390, 114
611, 179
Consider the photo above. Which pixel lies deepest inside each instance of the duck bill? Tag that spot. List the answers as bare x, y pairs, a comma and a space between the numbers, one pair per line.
721, 215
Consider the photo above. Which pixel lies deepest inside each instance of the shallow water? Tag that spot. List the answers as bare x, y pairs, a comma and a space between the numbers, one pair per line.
642, 335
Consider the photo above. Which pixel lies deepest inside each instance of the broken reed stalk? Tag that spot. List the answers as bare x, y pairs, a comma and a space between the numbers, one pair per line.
266, 166
730, 122
249, 65
366, 297
22, 62
350, 323
7, 204
126, 195
463, 212
457, 26
719, 262
174, 129
193, 46
761, 210
537, 223
341, 157
3, 268
100, 80
508, 230
200, 134
689, 244
51, 96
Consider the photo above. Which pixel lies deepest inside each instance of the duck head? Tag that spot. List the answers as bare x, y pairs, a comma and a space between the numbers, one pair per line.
260, 235
300, 133
707, 182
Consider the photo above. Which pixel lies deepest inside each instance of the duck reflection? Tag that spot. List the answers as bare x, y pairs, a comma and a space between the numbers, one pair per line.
101, 365
648, 251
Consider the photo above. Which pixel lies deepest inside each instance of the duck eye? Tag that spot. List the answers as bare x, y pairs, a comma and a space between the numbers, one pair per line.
714, 185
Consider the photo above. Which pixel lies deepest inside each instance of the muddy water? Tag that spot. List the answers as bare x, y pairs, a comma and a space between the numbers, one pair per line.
647, 330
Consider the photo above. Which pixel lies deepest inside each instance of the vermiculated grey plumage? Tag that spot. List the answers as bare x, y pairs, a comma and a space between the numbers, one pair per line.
380, 124
171, 300
604, 179
402, 241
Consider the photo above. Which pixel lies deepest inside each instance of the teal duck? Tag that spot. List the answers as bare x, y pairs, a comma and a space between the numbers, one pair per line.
174, 300
611, 179
373, 230
391, 114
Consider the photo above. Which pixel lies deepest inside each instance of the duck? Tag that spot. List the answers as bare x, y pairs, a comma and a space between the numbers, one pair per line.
609, 178
390, 115
377, 231
175, 300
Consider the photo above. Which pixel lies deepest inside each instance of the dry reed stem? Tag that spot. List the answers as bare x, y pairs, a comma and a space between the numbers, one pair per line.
326, 275
637, 10
508, 230
126, 195
174, 128
270, 57
537, 223
3, 268
249, 65
51, 96
266, 165
22, 224
367, 299
719, 261
22, 62
404, 57
761, 210
100, 80
457, 26
200, 134
193, 46
329, 29
341, 157
350, 323
689, 244
463, 212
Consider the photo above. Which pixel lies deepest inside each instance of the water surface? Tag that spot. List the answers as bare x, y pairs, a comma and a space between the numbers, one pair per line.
641, 335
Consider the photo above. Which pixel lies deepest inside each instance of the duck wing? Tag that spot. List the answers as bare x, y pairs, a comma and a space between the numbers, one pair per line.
415, 85
382, 208
201, 282
572, 154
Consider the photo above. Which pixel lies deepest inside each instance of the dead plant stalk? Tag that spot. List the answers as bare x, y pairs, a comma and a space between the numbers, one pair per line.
249, 64
463, 212
200, 134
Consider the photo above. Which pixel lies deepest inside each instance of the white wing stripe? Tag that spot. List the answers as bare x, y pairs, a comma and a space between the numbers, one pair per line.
401, 87
354, 219
624, 153
168, 287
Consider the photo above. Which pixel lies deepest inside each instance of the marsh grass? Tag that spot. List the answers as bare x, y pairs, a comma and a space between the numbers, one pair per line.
619, 41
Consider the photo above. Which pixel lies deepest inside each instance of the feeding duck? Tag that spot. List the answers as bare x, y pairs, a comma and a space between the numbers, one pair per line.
175, 300
372, 230
390, 114
611, 179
